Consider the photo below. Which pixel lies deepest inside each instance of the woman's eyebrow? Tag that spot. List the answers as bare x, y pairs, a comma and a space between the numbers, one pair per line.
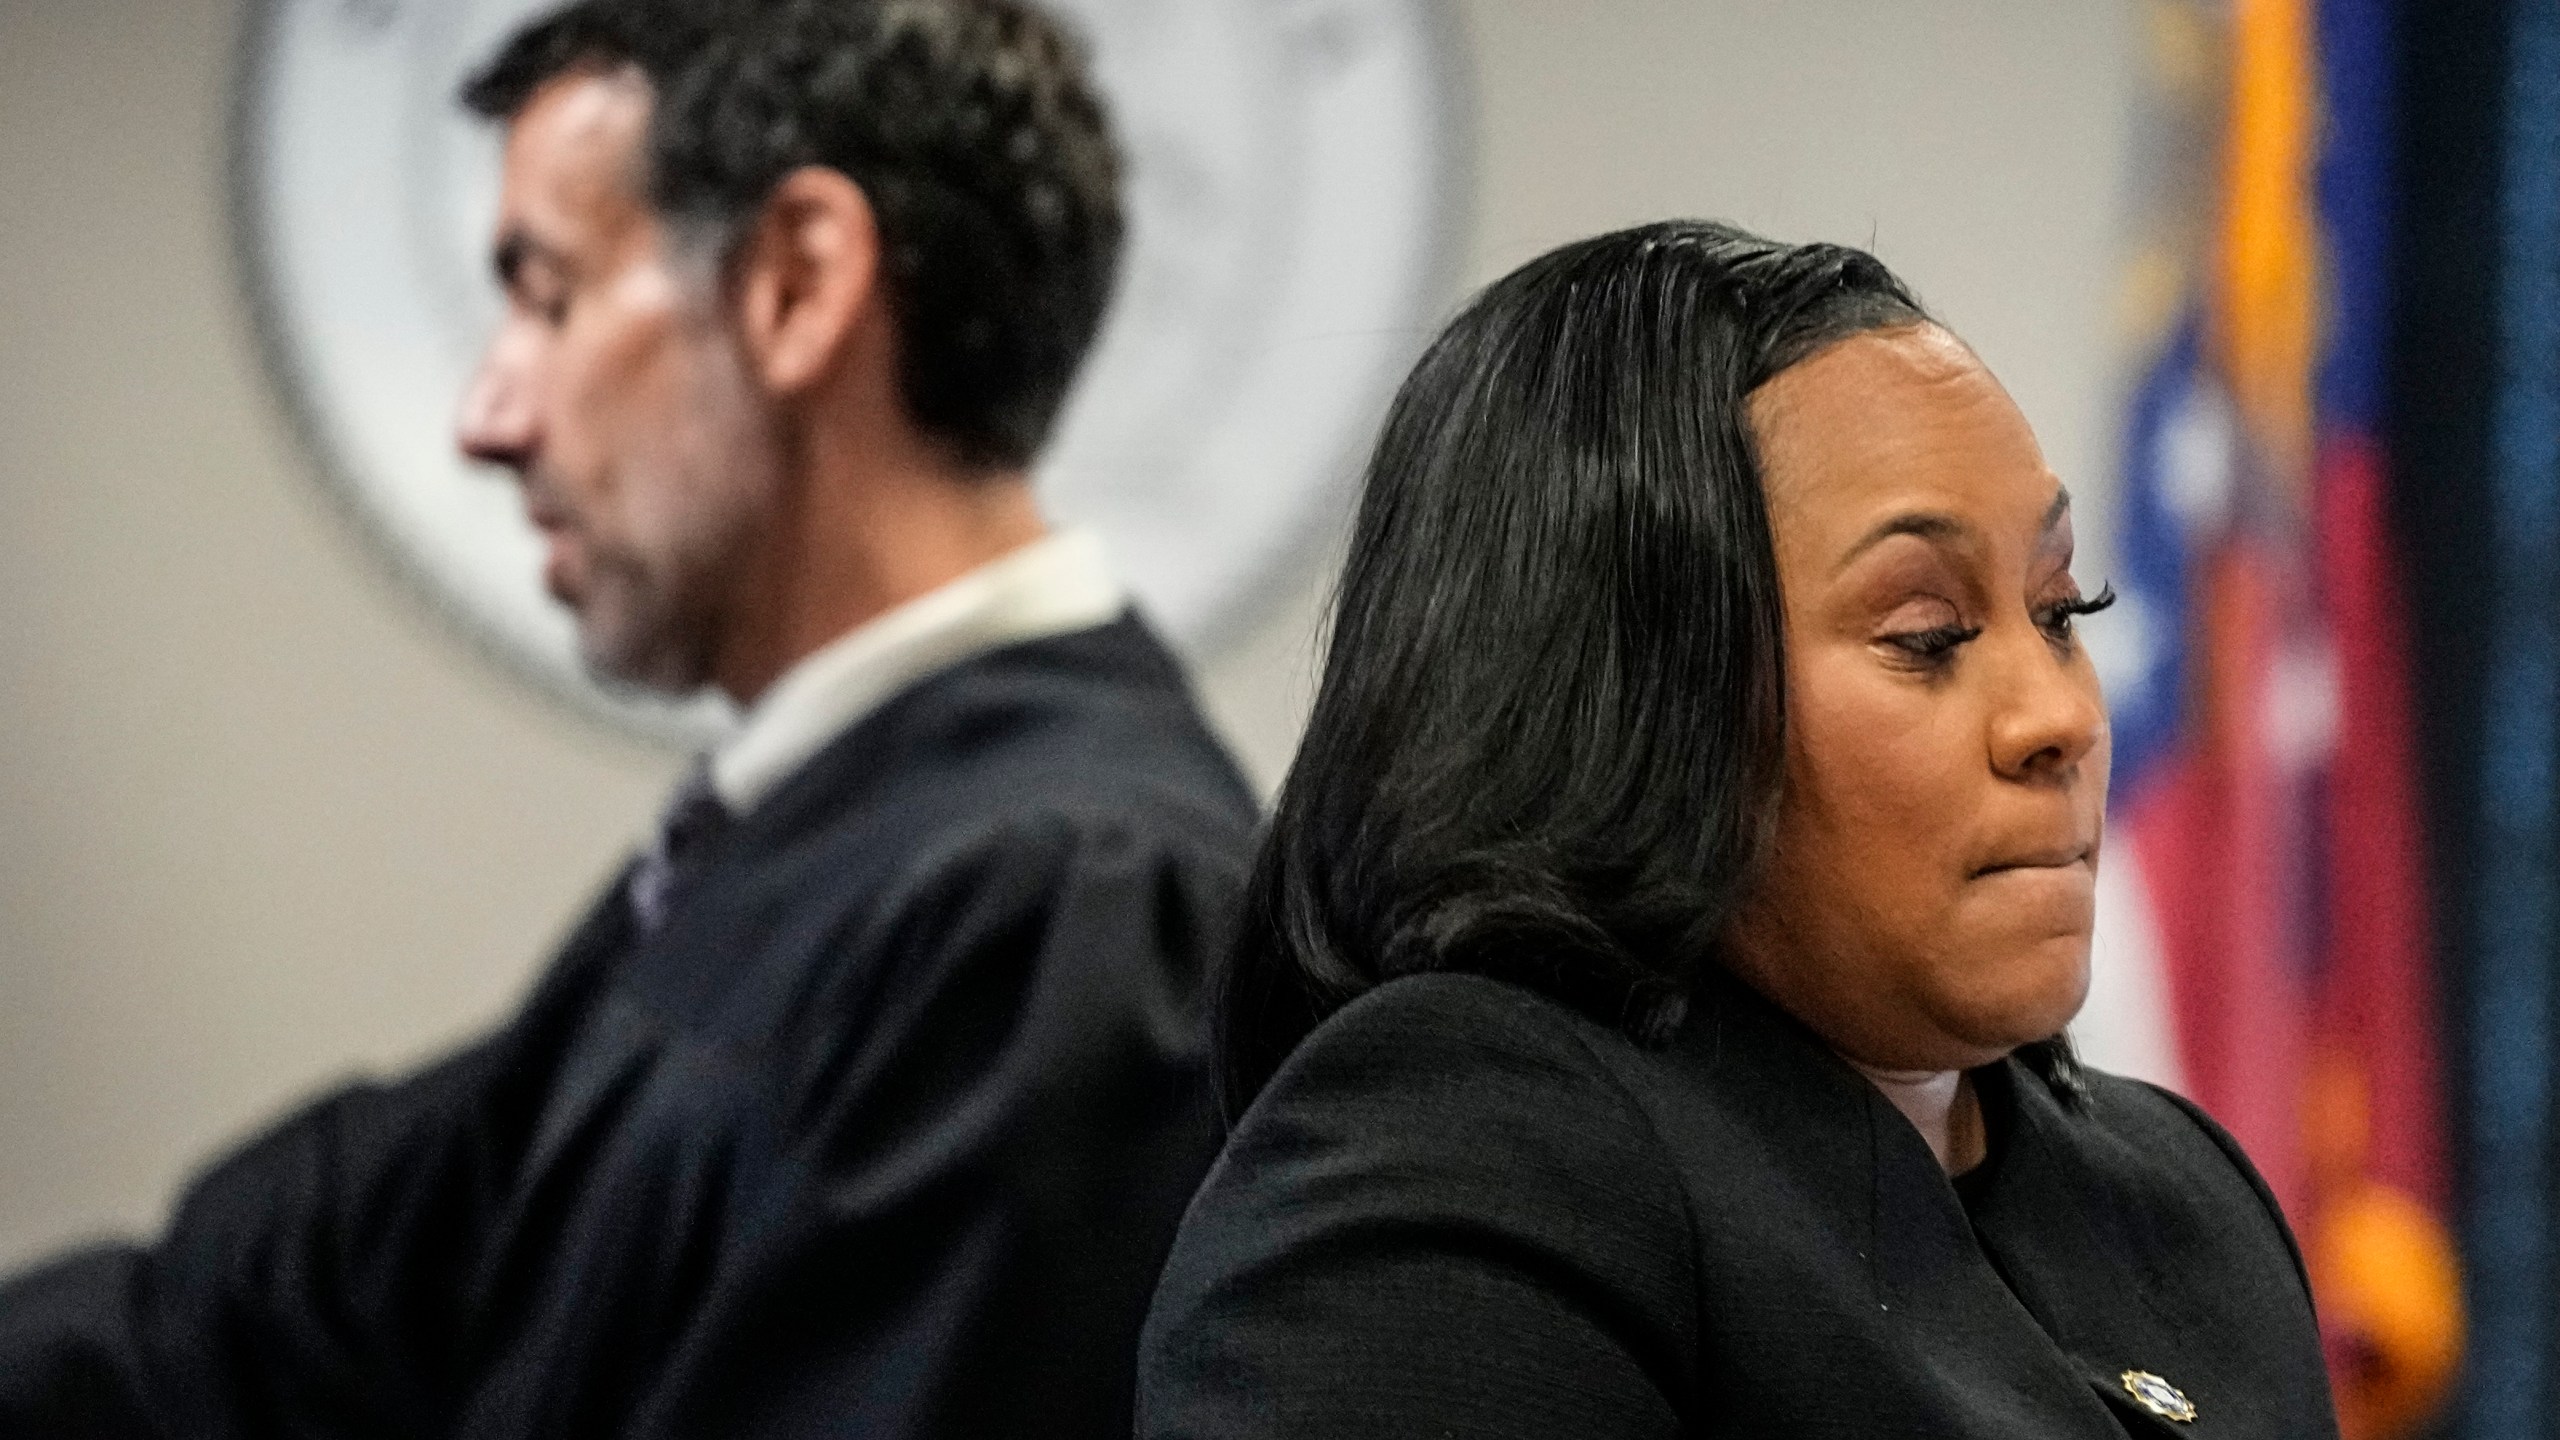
2054, 512
1932, 525
2053, 536
1939, 527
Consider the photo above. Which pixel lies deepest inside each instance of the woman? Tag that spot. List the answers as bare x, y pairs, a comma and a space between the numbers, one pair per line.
1649, 1017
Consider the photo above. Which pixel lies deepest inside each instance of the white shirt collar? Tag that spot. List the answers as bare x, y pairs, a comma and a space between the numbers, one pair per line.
1051, 586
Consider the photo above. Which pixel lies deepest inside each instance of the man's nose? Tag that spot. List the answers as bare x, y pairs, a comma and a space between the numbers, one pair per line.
496, 426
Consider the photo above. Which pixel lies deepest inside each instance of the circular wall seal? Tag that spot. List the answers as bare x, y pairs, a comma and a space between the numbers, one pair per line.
1292, 205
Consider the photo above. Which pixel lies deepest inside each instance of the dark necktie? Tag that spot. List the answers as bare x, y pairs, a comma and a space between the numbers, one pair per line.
694, 817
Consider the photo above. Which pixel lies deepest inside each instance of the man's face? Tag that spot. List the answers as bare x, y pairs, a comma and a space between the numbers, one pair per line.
614, 390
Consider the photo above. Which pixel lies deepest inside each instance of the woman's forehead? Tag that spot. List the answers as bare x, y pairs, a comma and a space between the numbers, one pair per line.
1904, 422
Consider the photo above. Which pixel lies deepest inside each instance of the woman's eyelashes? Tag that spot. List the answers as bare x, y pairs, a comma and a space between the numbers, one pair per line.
1931, 648
2056, 619
1934, 647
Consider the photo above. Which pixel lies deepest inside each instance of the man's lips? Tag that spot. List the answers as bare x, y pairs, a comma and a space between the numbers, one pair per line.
560, 537
546, 517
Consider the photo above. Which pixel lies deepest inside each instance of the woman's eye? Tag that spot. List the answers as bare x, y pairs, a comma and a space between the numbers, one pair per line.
2056, 618
1934, 644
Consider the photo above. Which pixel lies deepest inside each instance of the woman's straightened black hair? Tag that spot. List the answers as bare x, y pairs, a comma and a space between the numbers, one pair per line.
1547, 744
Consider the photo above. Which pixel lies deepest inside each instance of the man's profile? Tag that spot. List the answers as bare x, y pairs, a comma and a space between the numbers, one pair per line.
866, 1099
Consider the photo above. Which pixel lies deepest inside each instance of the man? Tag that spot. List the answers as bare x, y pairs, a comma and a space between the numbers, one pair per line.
865, 1103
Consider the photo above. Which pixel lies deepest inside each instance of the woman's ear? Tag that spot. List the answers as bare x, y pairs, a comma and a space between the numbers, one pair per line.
806, 278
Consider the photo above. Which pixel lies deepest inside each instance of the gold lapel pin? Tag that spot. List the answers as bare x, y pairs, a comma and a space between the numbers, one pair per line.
2159, 1396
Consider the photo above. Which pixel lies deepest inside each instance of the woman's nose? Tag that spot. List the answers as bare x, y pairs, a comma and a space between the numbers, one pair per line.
2049, 716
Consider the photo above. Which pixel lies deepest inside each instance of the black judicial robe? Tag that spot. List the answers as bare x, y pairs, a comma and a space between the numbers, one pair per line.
884, 1134
1461, 1209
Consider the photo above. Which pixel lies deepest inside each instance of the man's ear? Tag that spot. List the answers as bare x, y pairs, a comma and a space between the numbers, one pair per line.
806, 278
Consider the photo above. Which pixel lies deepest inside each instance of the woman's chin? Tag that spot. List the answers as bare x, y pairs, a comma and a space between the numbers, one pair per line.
2035, 991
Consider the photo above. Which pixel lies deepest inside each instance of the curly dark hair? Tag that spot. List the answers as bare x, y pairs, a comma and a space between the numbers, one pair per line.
973, 126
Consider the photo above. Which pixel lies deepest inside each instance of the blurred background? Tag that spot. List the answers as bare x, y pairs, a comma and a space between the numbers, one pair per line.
2277, 281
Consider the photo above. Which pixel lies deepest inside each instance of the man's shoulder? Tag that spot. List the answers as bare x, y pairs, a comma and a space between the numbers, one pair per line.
1009, 795
1095, 715
1079, 744
1097, 724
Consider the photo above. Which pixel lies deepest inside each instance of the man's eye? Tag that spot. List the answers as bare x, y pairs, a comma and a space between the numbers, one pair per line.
541, 299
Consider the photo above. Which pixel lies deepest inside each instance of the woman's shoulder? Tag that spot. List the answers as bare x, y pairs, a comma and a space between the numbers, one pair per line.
1442, 1210
1472, 1020
1453, 1100
2182, 1161
1424, 1063
2163, 1128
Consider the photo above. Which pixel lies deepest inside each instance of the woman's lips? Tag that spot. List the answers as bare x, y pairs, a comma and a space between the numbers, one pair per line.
2056, 857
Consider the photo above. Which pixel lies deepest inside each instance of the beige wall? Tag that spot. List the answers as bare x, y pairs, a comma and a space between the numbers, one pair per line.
262, 822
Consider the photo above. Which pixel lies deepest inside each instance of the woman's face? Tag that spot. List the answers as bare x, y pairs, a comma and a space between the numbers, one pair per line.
1927, 899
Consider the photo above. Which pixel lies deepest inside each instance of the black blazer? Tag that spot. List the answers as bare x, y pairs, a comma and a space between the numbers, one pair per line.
884, 1134
1461, 1209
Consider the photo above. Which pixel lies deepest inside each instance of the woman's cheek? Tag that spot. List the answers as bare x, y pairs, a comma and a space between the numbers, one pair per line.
1890, 742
